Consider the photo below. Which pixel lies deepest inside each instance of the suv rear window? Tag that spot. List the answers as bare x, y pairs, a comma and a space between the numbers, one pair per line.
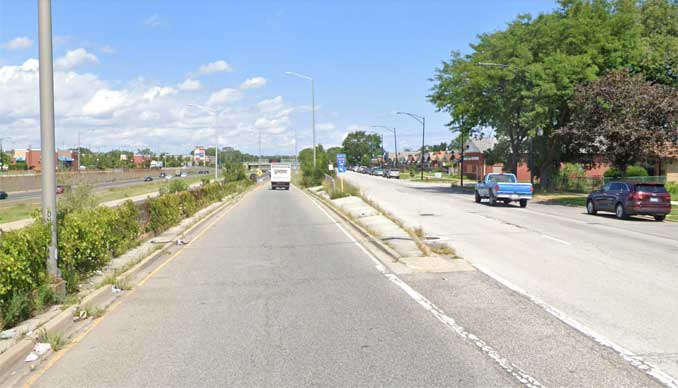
651, 188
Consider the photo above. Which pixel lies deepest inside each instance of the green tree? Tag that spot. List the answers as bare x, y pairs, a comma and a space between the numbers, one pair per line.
332, 154
361, 147
542, 60
623, 118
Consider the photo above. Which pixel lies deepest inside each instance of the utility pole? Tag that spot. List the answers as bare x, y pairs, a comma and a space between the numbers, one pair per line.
47, 144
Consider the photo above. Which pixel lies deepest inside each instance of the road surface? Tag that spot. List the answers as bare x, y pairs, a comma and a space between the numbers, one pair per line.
616, 277
275, 294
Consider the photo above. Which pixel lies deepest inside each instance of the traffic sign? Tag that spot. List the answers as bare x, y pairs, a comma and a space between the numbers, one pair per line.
341, 163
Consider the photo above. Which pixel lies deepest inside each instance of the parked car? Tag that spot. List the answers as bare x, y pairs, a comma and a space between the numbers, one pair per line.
183, 175
3, 195
378, 172
503, 187
148, 179
625, 199
60, 189
162, 175
393, 174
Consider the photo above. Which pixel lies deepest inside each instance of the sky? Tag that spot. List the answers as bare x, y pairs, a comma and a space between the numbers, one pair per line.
170, 75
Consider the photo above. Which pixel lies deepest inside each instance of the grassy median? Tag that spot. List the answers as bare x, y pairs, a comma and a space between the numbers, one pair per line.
23, 210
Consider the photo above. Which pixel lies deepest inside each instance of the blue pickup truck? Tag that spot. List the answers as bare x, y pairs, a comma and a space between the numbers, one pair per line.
504, 188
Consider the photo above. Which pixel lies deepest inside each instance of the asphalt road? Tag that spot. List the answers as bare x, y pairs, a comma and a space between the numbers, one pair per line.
616, 277
275, 294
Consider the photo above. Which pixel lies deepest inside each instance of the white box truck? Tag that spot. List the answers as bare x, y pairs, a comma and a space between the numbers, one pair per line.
281, 175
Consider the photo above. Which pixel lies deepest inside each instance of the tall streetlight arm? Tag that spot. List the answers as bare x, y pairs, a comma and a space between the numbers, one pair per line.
422, 120
312, 104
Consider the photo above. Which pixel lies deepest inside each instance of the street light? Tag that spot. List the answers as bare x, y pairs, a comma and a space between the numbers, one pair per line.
212, 113
312, 104
46, 80
422, 120
395, 139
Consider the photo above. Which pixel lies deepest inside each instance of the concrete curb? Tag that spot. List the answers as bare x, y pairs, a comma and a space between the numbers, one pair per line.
383, 247
102, 297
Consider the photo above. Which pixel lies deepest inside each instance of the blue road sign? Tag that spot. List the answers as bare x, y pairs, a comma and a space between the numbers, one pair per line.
341, 163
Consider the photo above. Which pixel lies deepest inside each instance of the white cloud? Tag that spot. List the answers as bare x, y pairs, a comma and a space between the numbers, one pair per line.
190, 84
158, 91
105, 101
270, 105
74, 58
223, 96
20, 42
153, 21
254, 83
215, 67
325, 127
138, 113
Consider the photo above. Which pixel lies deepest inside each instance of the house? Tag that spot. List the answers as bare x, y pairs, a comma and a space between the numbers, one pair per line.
668, 163
474, 158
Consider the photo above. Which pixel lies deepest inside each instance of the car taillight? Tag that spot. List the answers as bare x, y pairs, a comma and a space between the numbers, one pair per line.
531, 189
496, 188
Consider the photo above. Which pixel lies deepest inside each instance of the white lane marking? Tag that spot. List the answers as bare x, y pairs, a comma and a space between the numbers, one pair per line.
556, 239
626, 354
484, 348
439, 314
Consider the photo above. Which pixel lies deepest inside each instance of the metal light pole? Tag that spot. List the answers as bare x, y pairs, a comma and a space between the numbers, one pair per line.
395, 139
47, 144
312, 105
212, 113
422, 120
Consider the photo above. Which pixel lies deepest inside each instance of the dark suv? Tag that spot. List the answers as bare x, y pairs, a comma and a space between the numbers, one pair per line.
626, 199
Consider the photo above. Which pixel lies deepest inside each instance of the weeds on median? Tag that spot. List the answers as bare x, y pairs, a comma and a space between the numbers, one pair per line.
56, 340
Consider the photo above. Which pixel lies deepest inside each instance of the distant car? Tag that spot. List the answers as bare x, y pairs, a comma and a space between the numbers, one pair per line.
3, 195
60, 189
148, 179
168, 177
626, 199
503, 187
378, 172
393, 174
183, 175
162, 175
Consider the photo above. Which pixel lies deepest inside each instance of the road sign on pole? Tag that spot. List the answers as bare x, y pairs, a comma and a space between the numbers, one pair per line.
341, 163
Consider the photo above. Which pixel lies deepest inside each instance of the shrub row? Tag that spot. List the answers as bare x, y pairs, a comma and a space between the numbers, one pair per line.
88, 239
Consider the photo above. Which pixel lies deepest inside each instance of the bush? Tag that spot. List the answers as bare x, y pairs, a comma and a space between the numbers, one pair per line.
174, 186
22, 259
672, 187
77, 198
613, 172
163, 212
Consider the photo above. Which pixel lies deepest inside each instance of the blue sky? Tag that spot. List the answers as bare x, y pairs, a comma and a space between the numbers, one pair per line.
121, 66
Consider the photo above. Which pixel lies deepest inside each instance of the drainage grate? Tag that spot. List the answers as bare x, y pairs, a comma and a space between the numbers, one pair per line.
426, 214
431, 238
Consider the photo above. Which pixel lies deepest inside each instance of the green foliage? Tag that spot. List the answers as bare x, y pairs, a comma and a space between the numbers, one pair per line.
672, 188
313, 176
22, 259
164, 212
234, 171
524, 77
77, 198
174, 186
361, 147
630, 171
623, 118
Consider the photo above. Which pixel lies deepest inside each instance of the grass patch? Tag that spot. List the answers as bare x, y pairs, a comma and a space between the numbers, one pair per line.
673, 216
337, 192
442, 249
116, 193
567, 200
56, 340
17, 212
